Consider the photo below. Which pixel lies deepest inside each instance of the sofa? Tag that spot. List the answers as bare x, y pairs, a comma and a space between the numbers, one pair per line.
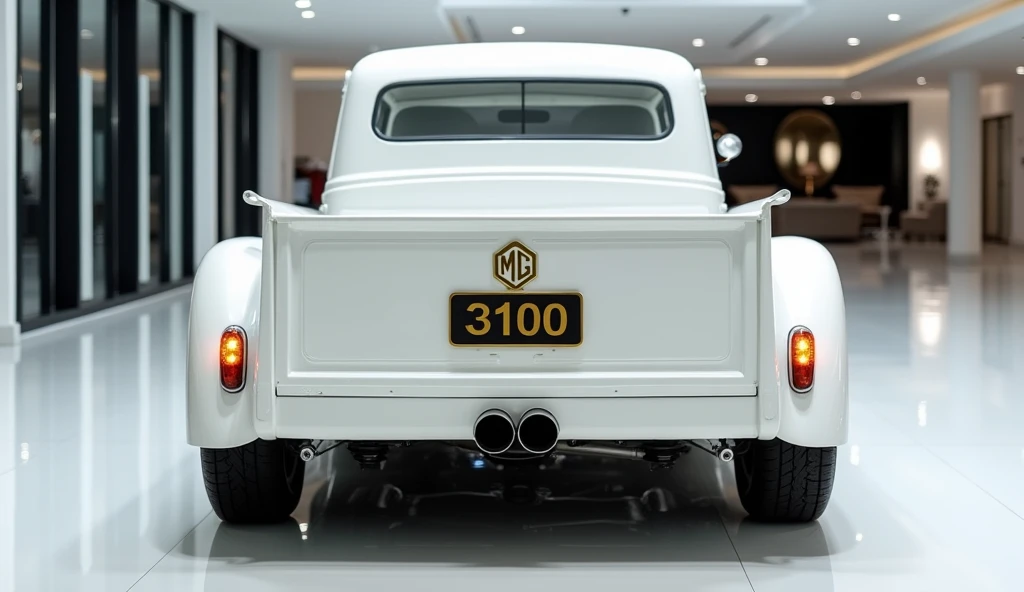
868, 197
819, 219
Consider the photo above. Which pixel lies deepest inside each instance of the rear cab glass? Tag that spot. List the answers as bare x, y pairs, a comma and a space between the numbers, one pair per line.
503, 109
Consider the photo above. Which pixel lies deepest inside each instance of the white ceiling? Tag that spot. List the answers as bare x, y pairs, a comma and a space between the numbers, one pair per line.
804, 40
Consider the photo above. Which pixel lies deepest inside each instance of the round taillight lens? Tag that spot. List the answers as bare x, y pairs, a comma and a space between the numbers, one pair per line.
232, 359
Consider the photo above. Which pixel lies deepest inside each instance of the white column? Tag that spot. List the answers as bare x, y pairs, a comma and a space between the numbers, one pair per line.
9, 330
276, 125
144, 181
9, 186
173, 177
86, 240
204, 150
1017, 165
964, 230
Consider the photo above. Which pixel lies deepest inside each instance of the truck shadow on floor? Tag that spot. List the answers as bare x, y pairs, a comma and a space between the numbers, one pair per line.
434, 505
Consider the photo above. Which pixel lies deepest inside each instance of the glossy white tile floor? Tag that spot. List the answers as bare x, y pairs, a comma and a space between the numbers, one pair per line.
98, 490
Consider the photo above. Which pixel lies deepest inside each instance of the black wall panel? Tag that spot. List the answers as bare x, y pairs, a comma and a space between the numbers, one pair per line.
874, 142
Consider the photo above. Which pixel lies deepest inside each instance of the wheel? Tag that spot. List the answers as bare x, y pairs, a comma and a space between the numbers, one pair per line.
782, 482
259, 482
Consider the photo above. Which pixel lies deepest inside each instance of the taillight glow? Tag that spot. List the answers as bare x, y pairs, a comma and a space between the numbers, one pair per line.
232, 359
801, 359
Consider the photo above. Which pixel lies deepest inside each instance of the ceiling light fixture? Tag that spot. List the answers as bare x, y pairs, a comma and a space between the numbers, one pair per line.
1020, 70
853, 41
308, 14
751, 98
303, 4
921, 80
894, 17
855, 95
761, 61
828, 100
87, 34
517, 30
698, 42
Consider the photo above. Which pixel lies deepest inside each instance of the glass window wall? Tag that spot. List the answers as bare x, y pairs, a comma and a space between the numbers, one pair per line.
105, 182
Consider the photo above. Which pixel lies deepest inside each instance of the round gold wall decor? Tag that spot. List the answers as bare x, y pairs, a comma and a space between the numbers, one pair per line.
807, 149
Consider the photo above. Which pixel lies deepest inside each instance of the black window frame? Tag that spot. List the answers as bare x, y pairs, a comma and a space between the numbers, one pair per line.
59, 28
523, 81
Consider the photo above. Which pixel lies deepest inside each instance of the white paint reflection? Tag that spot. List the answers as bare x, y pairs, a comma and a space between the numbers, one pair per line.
25, 452
86, 452
922, 413
854, 455
145, 359
860, 537
929, 330
929, 305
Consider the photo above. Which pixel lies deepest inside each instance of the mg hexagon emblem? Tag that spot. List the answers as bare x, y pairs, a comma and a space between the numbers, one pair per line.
515, 265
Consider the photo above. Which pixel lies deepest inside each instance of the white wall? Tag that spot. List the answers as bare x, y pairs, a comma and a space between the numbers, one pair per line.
9, 333
276, 125
8, 175
206, 165
316, 113
996, 100
929, 143
1017, 158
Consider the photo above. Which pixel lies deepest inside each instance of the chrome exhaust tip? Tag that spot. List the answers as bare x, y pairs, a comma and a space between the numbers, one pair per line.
538, 431
494, 431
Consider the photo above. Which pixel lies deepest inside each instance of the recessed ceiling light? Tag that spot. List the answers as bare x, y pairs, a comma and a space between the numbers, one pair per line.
853, 41
303, 4
855, 95
87, 34
751, 98
698, 42
1020, 70
761, 61
921, 80
518, 30
828, 100
894, 17
308, 14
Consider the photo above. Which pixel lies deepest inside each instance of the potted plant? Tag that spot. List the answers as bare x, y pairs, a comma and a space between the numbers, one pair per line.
931, 187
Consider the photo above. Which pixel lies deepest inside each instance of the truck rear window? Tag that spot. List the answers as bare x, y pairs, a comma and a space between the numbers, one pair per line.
514, 109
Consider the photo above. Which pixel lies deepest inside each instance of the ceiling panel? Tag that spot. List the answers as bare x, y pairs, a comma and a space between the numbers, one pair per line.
792, 32
665, 26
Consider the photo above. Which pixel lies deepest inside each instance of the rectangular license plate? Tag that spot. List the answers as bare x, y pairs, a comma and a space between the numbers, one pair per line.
515, 319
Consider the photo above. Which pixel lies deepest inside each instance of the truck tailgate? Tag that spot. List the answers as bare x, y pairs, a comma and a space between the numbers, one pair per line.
361, 305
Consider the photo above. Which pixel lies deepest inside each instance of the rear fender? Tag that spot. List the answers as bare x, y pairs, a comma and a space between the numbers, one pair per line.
808, 292
225, 292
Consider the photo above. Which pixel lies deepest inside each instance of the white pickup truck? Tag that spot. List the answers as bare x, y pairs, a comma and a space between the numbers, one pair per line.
523, 249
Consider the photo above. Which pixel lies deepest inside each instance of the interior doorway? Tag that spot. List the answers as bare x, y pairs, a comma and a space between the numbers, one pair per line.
996, 169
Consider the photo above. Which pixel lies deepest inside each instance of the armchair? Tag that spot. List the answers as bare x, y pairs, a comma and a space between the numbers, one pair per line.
925, 224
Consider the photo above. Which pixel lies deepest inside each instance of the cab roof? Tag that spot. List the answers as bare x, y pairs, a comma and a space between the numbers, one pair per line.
522, 60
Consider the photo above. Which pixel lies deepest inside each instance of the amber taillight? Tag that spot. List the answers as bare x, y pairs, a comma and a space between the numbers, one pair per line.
801, 359
232, 359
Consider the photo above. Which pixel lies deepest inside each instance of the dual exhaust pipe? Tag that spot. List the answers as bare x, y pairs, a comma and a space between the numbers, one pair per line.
495, 432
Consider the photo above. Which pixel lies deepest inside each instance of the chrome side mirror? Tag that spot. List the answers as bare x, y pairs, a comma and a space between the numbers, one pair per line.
729, 146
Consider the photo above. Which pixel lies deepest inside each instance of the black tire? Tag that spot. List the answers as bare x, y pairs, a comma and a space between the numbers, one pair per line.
257, 483
782, 482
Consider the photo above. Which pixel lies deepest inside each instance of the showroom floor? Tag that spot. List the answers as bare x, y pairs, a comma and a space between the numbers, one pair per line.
98, 490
